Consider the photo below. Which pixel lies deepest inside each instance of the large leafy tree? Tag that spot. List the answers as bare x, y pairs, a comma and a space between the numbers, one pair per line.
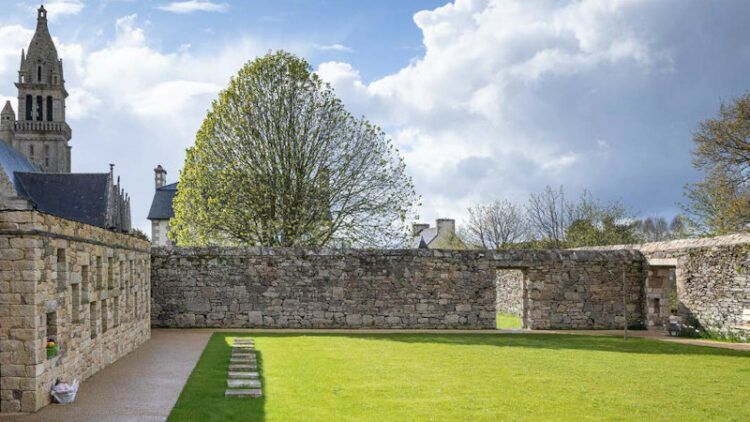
279, 161
720, 203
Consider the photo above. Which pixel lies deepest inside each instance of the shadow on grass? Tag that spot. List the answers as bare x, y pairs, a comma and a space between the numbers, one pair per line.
537, 341
202, 398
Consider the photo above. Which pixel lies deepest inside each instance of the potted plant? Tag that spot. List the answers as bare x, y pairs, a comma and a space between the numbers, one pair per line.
52, 348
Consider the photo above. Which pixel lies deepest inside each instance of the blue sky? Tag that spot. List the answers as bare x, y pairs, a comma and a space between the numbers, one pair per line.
485, 98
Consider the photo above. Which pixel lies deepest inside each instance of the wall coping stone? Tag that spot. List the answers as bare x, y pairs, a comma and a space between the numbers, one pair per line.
678, 244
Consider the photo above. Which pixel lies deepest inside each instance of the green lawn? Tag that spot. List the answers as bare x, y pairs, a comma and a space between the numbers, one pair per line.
472, 377
507, 321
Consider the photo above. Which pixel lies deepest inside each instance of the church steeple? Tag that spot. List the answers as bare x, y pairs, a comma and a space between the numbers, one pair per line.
41, 131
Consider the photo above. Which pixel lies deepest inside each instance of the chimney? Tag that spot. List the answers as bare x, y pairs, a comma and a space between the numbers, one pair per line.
446, 225
417, 228
160, 176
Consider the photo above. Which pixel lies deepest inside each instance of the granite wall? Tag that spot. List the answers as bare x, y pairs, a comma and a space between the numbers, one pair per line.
509, 289
707, 280
85, 287
294, 288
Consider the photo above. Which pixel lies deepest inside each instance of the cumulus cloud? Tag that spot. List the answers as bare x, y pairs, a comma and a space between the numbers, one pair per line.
485, 93
191, 6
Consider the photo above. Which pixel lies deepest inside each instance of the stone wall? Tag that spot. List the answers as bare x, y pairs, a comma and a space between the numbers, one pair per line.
711, 280
291, 288
509, 292
86, 287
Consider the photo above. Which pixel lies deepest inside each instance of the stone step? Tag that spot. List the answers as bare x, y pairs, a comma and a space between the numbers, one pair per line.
242, 360
243, 342
243, 355
243, 367
255, 392
244, 375
243, 383
243, 348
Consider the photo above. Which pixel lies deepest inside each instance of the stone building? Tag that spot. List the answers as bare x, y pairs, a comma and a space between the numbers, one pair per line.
40, 131
161, 208
34, 152
69, 270
442, 236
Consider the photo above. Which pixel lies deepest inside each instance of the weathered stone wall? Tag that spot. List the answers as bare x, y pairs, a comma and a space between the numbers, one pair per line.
289, 288
86, 287
509, 292
712, 279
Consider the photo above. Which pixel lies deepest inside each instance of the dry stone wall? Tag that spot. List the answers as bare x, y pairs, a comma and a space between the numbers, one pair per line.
85, 287
509, 292
712, 280
292, 288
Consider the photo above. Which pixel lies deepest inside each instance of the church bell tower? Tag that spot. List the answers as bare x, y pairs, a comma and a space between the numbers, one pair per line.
41, 132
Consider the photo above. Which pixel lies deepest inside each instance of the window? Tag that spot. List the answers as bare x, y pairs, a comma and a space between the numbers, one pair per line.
85, 281
75, 296
31, 151
39, 109
104, 316
39, 73
62, 269
54, 80
111, 273
49, 108
46, 155
116, 312
93, 317
99, 278
29, 107
52, 326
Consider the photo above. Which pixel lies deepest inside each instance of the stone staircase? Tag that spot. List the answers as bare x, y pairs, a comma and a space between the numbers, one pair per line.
243, 379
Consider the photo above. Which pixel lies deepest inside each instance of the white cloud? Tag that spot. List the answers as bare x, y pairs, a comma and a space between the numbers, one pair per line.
58, 8
469, 97
333, 47
191, 6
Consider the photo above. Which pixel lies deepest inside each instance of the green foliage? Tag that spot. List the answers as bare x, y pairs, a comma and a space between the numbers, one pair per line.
278, 161
140, 234
607, 232
717, 205
720, 203
470, 377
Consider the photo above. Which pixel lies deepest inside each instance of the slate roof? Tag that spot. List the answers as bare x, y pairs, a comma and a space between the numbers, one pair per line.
12, 160
428, 235
161, 206
75, 196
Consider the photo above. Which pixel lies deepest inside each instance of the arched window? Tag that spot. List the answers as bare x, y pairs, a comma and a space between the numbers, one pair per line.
31, 151
39, 107
49, 109
39, 73
29, 107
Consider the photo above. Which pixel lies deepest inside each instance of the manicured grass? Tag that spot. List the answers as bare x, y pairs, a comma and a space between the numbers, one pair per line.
472, 377
508, 321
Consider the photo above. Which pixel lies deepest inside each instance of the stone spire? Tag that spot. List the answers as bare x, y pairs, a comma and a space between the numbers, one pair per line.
7, 123
41, 64
41, 132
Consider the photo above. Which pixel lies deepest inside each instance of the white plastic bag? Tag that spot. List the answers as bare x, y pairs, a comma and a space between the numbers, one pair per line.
64, 393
